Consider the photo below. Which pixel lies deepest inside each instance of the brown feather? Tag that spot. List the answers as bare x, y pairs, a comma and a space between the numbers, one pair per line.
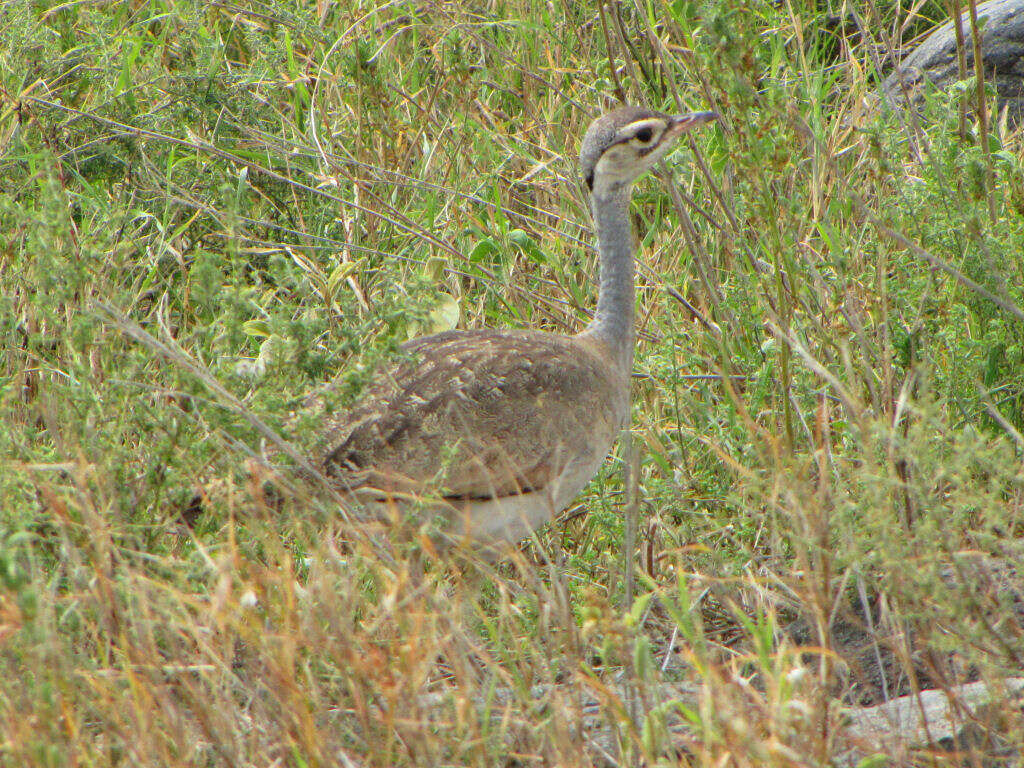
478, 415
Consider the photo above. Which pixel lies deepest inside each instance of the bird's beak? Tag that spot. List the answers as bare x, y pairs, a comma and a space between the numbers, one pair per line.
680, 124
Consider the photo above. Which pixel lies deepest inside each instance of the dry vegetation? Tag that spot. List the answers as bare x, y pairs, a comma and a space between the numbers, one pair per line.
207, 210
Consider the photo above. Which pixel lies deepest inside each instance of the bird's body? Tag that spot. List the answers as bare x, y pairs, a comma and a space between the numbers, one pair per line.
501, 428
496, 431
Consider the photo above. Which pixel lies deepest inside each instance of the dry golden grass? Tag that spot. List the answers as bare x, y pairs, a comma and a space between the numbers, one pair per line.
829, 391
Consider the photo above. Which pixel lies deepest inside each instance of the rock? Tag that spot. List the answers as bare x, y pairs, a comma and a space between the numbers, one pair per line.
947, 720
1002, 49
970, 722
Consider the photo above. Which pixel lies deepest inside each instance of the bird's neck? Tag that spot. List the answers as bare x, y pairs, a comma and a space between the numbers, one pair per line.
613, 322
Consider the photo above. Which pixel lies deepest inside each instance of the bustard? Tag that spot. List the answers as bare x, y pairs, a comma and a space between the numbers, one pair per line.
498, 430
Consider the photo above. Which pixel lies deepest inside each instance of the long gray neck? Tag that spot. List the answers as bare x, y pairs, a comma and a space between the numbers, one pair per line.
613, 321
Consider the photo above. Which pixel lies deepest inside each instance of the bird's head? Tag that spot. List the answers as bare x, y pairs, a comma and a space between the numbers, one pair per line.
623, 144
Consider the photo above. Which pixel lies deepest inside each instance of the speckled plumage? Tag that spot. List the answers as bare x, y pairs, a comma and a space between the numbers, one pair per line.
461, 417
497, 430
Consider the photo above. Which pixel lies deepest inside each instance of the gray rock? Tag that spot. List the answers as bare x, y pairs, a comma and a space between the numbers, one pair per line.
965, 718
941, 719
1002, 49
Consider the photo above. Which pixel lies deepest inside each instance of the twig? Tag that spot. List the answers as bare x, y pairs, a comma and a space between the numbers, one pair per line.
979, 88
998, 417
178, 356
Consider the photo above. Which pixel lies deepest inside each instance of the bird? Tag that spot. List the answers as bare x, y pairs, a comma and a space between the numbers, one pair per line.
492, 432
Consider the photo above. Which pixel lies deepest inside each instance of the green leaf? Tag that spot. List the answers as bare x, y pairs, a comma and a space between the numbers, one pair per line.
445, 316
638, 608
483, 250
340, 274
643, 658
525, 244
258, 327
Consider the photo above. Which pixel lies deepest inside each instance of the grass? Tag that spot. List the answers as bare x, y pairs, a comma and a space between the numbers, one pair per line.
829, 390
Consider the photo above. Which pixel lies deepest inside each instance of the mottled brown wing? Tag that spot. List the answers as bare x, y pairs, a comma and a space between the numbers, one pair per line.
475, 414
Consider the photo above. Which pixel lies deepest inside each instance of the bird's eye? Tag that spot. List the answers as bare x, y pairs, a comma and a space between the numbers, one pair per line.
644, 135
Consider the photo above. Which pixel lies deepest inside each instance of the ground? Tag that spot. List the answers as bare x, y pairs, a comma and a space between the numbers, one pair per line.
209, 211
